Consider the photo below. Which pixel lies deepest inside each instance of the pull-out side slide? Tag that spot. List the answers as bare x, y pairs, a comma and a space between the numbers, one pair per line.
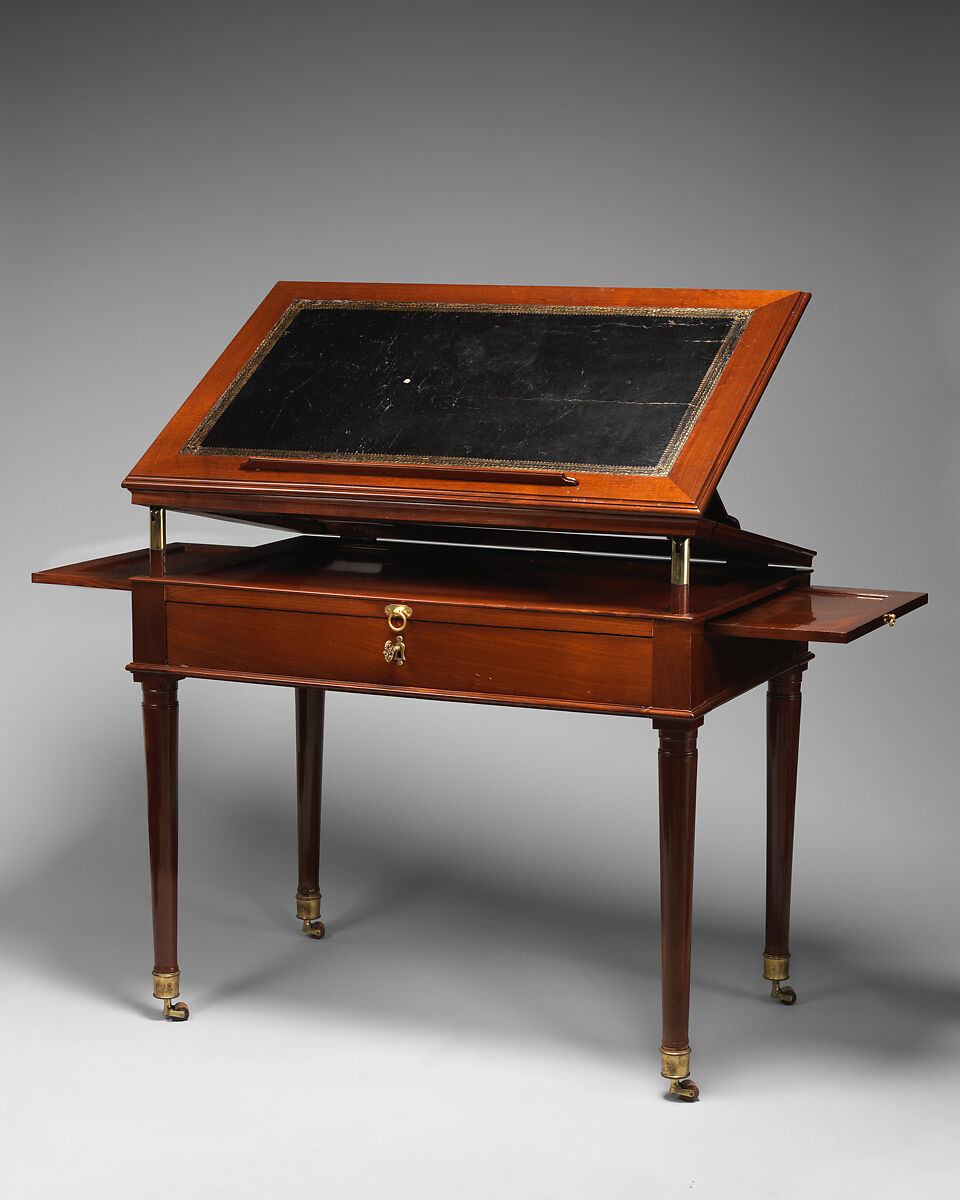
818, 614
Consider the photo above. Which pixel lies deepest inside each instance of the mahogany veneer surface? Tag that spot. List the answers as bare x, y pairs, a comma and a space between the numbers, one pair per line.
480, 578
818, 614
115, 571
500, 626
440, 575
447, 657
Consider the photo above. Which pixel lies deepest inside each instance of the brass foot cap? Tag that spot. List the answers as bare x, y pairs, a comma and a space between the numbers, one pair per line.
166, 985
674, 1064
776, 966
308, 907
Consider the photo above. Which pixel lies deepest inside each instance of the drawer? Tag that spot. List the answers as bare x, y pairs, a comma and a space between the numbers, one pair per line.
443, 658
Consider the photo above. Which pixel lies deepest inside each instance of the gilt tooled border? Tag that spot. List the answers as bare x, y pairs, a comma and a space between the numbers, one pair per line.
739, 317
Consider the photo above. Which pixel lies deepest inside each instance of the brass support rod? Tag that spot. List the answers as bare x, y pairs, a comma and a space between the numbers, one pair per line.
158, 541
680, 561
158, 529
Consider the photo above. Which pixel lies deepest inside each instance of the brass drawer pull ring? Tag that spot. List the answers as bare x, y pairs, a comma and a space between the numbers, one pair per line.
399, 613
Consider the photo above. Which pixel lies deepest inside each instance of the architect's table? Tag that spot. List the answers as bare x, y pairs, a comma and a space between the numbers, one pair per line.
512, 627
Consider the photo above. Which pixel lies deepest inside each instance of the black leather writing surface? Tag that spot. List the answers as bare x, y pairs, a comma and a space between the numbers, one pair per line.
609, 389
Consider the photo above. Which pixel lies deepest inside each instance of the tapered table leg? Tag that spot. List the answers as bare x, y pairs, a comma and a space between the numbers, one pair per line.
309, 773
678, 791
160, 710
783, 743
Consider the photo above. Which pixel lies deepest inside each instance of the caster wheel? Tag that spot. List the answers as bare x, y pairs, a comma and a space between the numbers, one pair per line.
315, 929
786, 995
684, 1089
176, 1012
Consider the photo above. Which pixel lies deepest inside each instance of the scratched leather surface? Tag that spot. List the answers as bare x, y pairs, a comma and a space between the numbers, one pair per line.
422, 384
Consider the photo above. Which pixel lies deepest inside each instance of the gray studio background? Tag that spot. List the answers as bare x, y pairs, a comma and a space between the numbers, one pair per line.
483, 1019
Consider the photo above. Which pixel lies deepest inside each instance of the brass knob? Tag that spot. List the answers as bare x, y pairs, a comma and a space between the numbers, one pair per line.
889, 618
400, 613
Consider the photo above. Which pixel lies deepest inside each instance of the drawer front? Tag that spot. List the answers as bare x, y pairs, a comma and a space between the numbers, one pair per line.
588, 668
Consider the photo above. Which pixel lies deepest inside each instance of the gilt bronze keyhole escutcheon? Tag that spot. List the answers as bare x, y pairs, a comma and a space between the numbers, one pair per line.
395, 652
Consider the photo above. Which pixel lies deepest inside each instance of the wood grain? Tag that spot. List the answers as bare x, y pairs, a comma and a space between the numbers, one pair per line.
818, 614
115, 571
439, 657
160, 712
783, 746
309, 717
678, 798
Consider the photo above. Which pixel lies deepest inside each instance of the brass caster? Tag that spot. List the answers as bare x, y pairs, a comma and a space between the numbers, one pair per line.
175, 1012
786, 995
776, 969
684, 1089
308, 911
166, 987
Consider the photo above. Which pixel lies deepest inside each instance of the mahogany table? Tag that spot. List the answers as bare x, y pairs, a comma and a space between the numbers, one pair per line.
497, 495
